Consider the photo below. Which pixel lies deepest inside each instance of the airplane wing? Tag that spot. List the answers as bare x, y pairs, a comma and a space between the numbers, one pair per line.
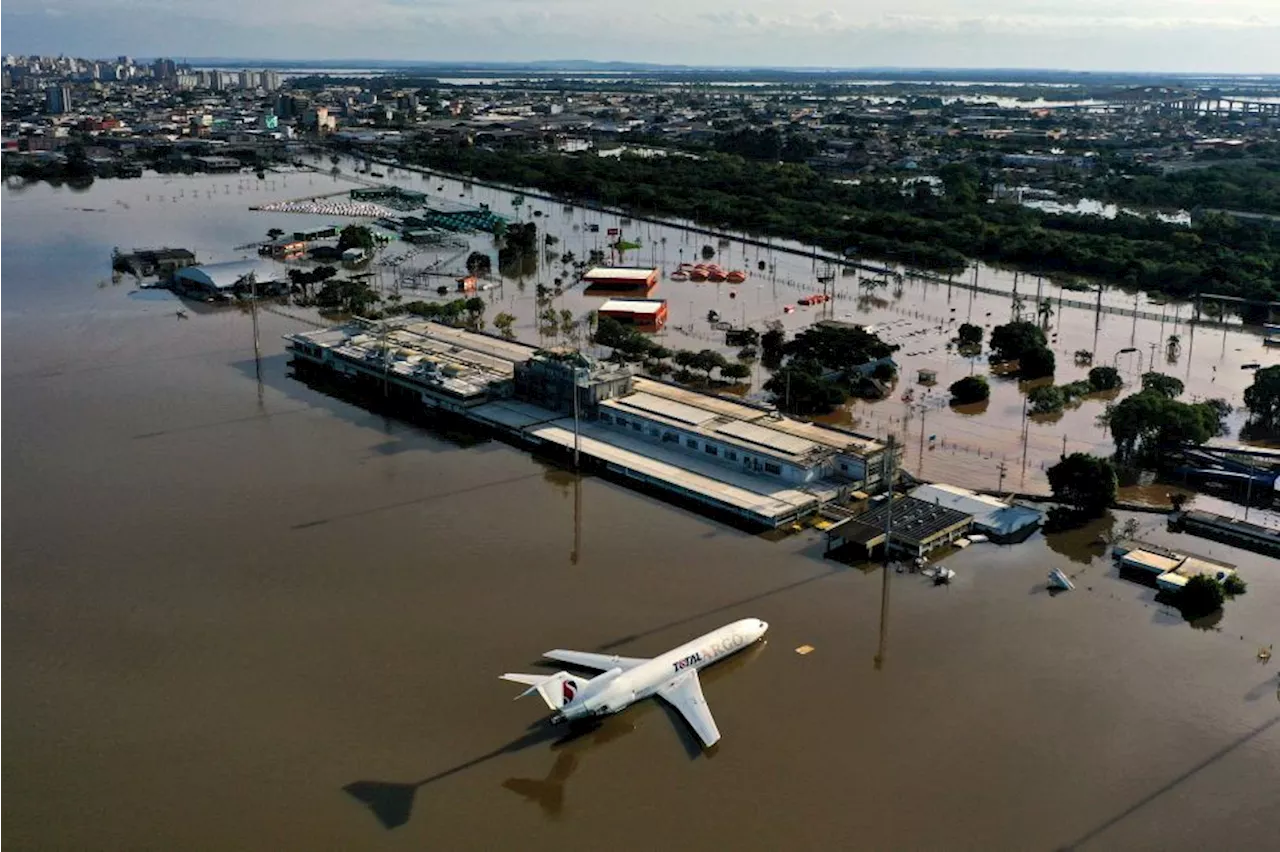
603, 662
685, 694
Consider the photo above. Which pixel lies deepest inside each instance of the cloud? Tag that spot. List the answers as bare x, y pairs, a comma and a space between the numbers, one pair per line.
1170, 35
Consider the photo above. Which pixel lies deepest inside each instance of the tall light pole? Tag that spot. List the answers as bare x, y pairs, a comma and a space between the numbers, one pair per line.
576, 429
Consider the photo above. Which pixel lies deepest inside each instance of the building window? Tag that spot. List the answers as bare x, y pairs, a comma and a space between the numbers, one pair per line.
622, 421
770, 467
730, 455
608, 418
691, 443
670, 437
844, 467
635, 426
654, 432
710, 450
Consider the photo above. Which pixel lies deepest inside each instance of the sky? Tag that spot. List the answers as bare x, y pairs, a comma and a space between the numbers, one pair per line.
1199, 36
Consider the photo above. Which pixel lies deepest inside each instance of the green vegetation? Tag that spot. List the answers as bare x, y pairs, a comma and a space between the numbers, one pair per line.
838, 348
771, 343
1233, 586
1037, 363
1148, 422
969, 335
356, 236
1233, 186
1159, 383
970, 389
1262, 398
822, 367
735, 372
468, 313
479, 263
1010, 341
1085, 482
348, 297
1201, 596
1046, 400
1104, 378
504, 323
874, 218
800, 389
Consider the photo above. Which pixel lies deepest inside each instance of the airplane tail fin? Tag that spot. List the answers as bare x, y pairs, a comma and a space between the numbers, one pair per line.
557, 689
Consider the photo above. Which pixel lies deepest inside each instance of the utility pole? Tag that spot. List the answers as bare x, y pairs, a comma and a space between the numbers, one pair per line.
576, 437
884, 582
1003, 469
1064, 445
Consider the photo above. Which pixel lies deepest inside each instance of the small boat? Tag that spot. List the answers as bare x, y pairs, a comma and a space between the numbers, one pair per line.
678, 275
1058, 580
697, 275
737, 276
977, 537
716, 275
1250, 366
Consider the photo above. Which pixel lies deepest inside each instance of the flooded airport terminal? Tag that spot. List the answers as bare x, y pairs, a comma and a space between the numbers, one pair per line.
263, 568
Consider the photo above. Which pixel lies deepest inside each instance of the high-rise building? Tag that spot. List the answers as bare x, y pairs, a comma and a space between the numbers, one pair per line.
164, 69
57, 100
270, 81
248, 79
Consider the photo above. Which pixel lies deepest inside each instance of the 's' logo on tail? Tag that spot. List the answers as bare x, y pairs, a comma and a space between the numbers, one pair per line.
568, 690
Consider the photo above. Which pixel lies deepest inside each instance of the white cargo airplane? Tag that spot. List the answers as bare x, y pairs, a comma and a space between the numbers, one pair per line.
626, 680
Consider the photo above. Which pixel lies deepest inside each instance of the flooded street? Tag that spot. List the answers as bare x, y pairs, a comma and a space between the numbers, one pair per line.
240, 614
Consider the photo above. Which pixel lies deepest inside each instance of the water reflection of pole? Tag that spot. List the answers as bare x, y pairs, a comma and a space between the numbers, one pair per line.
577, 517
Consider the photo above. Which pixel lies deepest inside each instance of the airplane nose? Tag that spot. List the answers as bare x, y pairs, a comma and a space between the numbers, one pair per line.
764, 625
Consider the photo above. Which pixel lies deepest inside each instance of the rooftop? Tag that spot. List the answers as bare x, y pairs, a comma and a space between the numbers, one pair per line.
620, 273
635, 306
913, 520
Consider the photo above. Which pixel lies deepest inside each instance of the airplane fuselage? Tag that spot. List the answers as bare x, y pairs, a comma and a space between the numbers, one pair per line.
617, 689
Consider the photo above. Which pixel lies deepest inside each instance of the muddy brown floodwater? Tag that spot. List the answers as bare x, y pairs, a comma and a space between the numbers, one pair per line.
240, 614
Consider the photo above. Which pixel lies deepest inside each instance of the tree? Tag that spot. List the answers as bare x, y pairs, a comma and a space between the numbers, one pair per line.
479, 263
970, 389
1104, 378
1166, 386
355, 236
735, 371
275, 234
708, 360
969, 334
1011, 340
771, 343
748, 354
838, 348
708, 252
503, 322
1147, 423
1084, 481
1262, 398
1046, 400
685, 358
799, 389
1036, 363
475, 312
1201, 596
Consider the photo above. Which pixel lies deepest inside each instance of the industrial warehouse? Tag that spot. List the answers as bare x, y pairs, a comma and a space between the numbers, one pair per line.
741, 460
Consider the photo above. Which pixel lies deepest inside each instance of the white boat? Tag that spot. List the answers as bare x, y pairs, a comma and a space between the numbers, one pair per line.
976, 538
1058, 580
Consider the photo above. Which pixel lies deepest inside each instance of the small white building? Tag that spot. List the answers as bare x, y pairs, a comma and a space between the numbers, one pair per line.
225, 278
1000, 521
354, 255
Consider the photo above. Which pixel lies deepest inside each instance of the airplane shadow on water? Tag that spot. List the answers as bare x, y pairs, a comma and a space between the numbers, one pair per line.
392, 802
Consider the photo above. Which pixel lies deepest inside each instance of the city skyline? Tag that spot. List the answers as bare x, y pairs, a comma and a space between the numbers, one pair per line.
1177, 36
